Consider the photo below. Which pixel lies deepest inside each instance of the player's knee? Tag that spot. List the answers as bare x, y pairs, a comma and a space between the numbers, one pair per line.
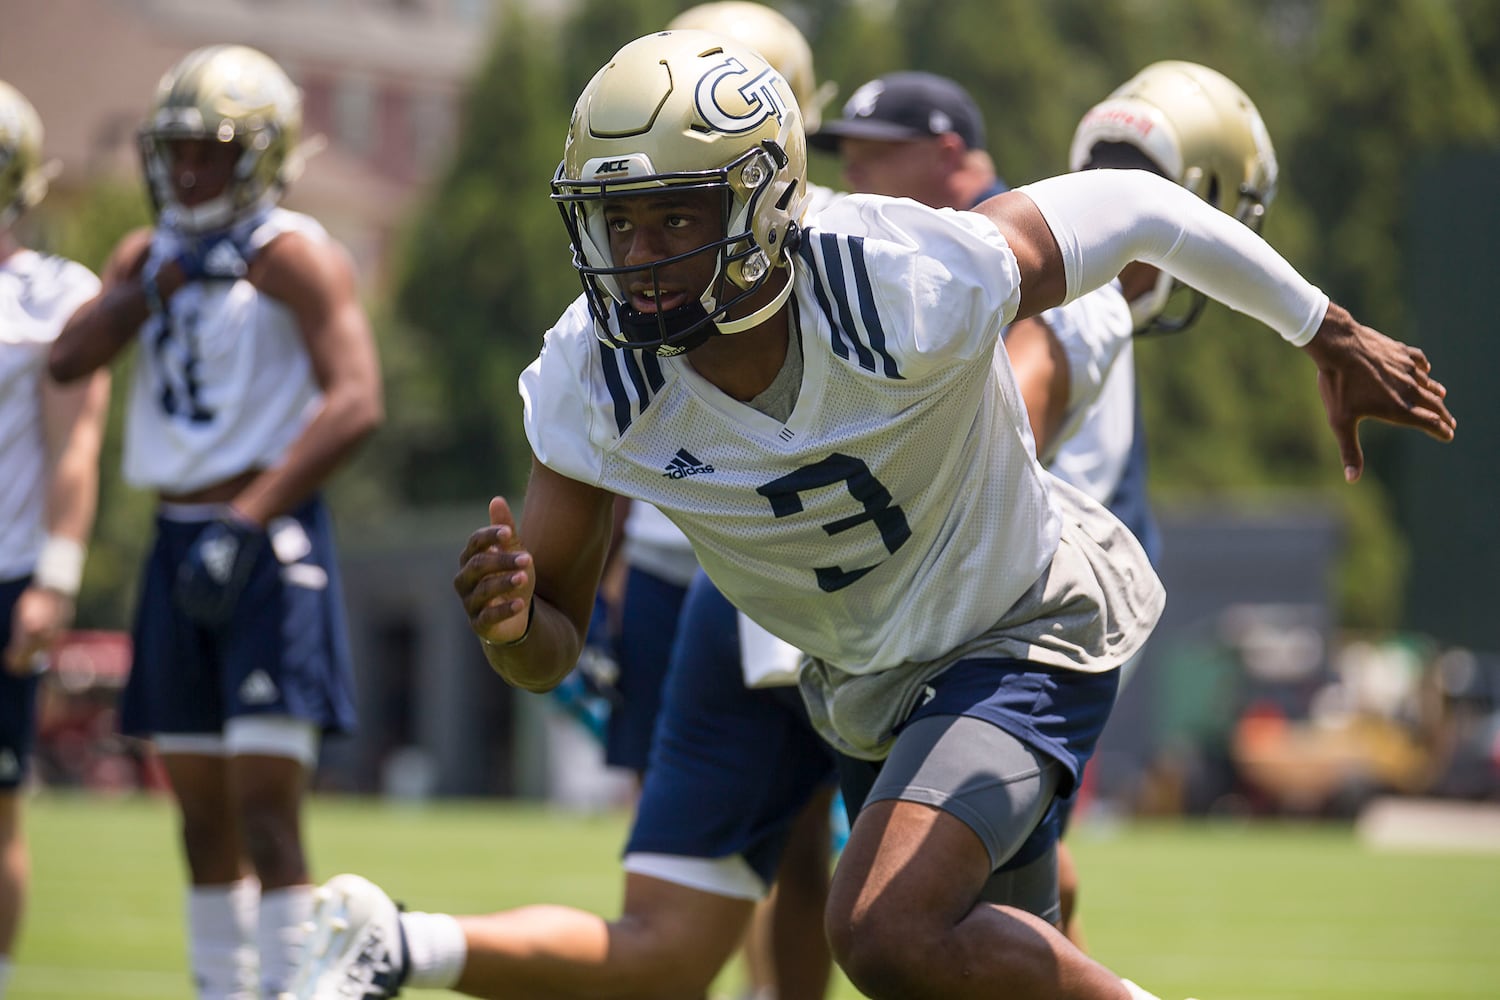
882, 956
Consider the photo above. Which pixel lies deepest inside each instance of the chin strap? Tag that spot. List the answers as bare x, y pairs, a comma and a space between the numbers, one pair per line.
759, 316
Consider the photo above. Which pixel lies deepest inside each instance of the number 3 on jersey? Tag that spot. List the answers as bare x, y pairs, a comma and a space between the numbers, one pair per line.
785, 497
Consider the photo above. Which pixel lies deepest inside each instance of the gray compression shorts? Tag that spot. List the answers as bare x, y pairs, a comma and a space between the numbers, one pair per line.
993, 783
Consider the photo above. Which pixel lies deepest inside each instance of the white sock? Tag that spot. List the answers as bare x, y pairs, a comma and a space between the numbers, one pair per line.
280, 934
1136, 993
221, 948
435, 950
4, 974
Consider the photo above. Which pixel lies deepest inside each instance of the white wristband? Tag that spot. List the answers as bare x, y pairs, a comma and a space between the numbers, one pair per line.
59, 567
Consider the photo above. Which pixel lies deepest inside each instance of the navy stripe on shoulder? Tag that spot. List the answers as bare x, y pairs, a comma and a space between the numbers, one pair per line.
853, 319
867, 311
633, 379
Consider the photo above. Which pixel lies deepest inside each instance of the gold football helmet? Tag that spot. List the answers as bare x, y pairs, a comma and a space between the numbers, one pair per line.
23, 177
769, 32
1194, 126
229, 93
696, 111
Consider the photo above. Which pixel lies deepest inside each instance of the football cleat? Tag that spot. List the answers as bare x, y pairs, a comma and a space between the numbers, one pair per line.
354, 948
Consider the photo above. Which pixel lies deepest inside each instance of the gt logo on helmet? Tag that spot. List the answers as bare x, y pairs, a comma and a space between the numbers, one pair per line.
758, 93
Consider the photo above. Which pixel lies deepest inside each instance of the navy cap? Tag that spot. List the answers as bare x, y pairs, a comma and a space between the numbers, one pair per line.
907, 105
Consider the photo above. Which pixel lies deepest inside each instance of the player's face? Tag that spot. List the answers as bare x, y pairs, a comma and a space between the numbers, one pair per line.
647, 228
897, 169
200, 168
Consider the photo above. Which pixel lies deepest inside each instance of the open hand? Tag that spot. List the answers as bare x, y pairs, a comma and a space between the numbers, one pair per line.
1363, 374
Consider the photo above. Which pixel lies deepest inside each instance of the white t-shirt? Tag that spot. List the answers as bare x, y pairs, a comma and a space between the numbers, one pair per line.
223, 387
38, 294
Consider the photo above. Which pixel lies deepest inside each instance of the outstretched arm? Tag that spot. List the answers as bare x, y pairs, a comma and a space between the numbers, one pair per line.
1073, 233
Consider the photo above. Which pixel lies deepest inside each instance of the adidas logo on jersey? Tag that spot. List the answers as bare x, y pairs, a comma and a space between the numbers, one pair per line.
258, 689
683, 464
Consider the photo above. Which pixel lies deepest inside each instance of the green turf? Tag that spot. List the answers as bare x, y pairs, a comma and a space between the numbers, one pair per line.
1220, 912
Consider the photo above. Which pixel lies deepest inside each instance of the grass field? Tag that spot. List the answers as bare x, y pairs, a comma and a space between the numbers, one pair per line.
1221, 912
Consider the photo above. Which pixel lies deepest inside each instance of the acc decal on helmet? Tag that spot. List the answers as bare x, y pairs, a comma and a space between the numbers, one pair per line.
694, 111
232, 94
23, 176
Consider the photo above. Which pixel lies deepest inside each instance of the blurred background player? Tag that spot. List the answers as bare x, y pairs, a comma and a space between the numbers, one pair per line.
50, 436
256, 376
1195, 127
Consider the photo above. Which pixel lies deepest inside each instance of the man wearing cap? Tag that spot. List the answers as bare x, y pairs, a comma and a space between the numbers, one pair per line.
913, 135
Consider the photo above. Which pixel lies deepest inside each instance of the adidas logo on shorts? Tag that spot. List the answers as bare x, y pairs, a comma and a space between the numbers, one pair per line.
258, 689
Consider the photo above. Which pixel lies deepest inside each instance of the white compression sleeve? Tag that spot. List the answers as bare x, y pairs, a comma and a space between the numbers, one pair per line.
1105, 219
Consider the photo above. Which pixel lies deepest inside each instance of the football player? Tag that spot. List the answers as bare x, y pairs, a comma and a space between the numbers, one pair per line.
1195, 127
874, 499
256, 377
50, 436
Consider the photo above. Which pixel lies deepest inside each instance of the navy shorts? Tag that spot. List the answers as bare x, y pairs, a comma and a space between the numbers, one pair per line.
643, 649
1058, 713
285, 650
732, 767
17, 700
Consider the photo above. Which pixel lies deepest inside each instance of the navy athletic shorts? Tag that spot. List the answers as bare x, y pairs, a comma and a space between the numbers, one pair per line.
285, 650
648, 623
17, 700
732, 767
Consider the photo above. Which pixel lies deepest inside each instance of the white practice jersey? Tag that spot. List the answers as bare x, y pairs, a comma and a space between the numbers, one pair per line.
224, 383
1094, 443
38, 294
900, 511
